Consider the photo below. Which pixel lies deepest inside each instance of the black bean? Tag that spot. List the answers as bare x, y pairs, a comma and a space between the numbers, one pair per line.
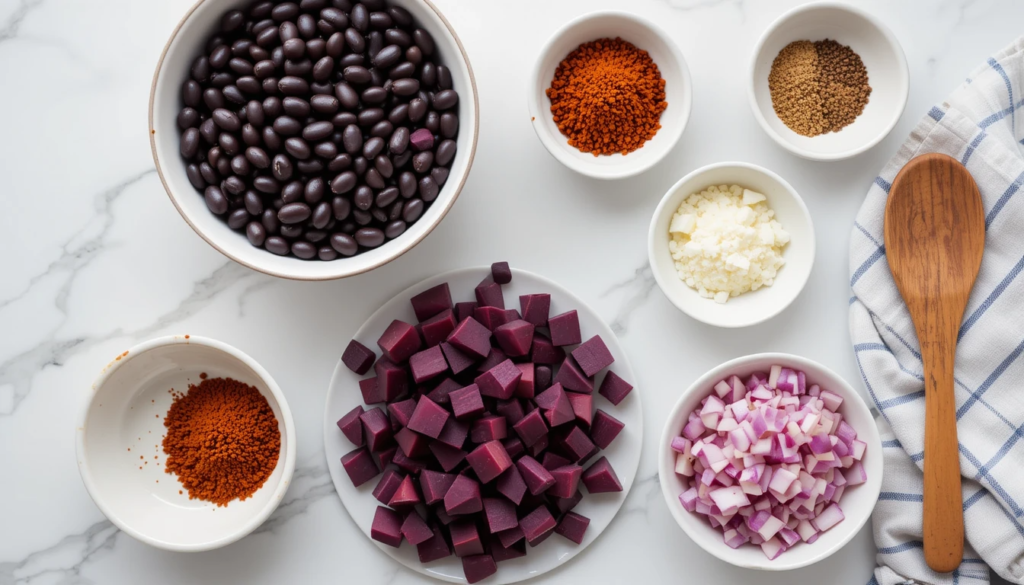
324, 104
323, 68
374, 95
399, 114
395, 229
277, 245
403, 70
240, 66
201, 68
228, 143
340, 163
395, 210
414, 55
315, 190
188, 117
240, 165
433, 122
407, 184
240, 48
356, 74
417, 110
191, 93
238, 218
254, 113
413, 210
273, 107
224, 166
321, 215
340, 120
294, 48
384, 166
374, 43
335, 17
295, 107
427, 189
287, 126
445, 152
352, 139
335, 45
220, 56
221, 79
344, 182
304, 250
326, 253
449, 125
363, 197
300, 68
347, 96
271, 139
445, 99
215, 200
402, 159
253, 203
267, 37
256, 233
370, 116
233, 93
422, 161
388, 56
380, 20
379, 214
341, 207
310, 167
208, 173
227, 120
369, 237
440, 175
326, 150
291, 231
317, 131
233, 185
270, 86
405, 87
270, 221
292, 85
262, 25
351, 59
397, 36
444, 77
424, 41
355, 41
285, 11
258, 53
316, 48
373, 147
297, 147
345, 244
360, 18
359, 165
377, 76
293, 213
213, 98
382, 129
292, 191
374, 179
195, 176
399, 140
258, 157
266, 185
261, 9
386, 197
232, 21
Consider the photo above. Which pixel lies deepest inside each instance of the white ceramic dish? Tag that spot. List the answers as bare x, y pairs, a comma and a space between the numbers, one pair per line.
868, 37
624, 453
670, 62
165, 102
124, 420
755, 306
856, 503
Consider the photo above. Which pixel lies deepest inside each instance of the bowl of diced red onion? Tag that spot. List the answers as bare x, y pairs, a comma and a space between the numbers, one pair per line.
770, 461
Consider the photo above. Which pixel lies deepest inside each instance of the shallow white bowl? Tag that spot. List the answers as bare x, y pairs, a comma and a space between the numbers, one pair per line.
172, 70
124, 420
752, 307
856, 503
877, 47
670, 62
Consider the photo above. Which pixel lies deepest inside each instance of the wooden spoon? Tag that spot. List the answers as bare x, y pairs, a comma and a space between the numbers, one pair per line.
934, 239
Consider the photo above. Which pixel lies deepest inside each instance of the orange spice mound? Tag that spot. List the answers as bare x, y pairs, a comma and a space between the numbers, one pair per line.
222, 440
607, 97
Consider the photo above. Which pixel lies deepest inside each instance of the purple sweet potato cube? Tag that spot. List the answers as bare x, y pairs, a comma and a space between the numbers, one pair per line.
454, 433
514, 447
565, 328
377, 429
535, 308
500, 381
436, 329
463, 310
352, 427
399, 341
488, 293
605, 428
536, 477
408, 465
412, 444
427, 364
563, 505
511, 409
400, 412
600, 478
387, 486
447, 457
428, 418
515, 337
544, 352
537, 449
512, 315
590, 456
511, 485
541, 378
526, 388
387, 527
500, 514
491, 317
431, 302
463, 497
531, 428
555, 406
359, 466
392, 379
440, 393
466, 402
573, 526
489, 461
415, 529
358, 357
551, 461
577, 444
537, 525
478, 567
582, 407
571, 377
472, 338
614, 388
458, 361
385, 456
372, 393
434, 485
433, 549
501, 273
593, 356
465, 538
495, 357
567, 479
510, 537
488, 428
513, 551
406, 495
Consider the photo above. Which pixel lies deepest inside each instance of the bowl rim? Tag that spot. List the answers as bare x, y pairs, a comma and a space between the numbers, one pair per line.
850, 396
287, 422
341, 273
901, 62
653, 234
537, 112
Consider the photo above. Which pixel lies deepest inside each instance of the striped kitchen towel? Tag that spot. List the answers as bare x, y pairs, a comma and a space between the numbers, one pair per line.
982, 126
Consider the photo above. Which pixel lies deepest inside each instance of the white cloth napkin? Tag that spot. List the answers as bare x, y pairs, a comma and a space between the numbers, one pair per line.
981, 125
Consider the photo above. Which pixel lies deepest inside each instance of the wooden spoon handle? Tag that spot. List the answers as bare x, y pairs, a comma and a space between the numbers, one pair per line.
943, 503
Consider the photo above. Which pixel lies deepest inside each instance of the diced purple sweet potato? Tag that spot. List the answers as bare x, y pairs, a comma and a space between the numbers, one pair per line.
565, 328
454, 433
465, 538
359, 466
357, 357
488, 428
577, 444
511, 485
507, 538
511, 409
514, 447
488, 293
536, 477
491, 317
556, 407
526, 388
466, 402
377, 429
489, 461
593, 356
552, 461
500, 514
478, 567
406, 495
434, 485
431, 302
443, 517
387, 486
412, 444
447, 457
372, 393
415, 529
495, 357
500, 381
434, 549
408, 465
573, 526
590, 456
458, 361
563, 505
440, 392
605, 428
547, 399
515, 337
428, 418
392, 379
531, 428
572, 377
399, 341
535, 308
514, 550
427, 364
537, 449
544, 352
501, 273
600, 478
541, 378
537, 525
614, 388
472, 338
352, 427
567, 479
387, 527
463, 497
400, 412
436, 329
582, 407
512, 315
385, 456
465, 309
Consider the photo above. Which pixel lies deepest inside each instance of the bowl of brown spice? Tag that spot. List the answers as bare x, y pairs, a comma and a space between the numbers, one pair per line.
610, 95
828, 81
186, 443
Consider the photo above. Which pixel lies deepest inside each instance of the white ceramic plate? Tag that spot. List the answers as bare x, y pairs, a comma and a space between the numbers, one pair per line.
624, 453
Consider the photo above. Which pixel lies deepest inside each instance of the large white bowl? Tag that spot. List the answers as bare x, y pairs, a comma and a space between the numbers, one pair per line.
172, 70
752, 307
868, 37
124, 420
670, 62
856, 503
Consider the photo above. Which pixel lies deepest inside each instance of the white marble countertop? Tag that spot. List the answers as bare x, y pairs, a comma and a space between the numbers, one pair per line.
95, 259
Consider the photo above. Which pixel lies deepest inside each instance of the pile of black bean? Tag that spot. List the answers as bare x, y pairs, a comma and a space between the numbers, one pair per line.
322, 128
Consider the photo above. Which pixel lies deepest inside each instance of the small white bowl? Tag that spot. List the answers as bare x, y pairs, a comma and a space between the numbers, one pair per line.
121, 459
186, 43
856, 503
755, 306
868, 37
670, 62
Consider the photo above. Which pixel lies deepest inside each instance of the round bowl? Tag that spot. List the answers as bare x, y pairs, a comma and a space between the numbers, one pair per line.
121, 459
165, 102
755, 306
868, 37
856, 502
670, 62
